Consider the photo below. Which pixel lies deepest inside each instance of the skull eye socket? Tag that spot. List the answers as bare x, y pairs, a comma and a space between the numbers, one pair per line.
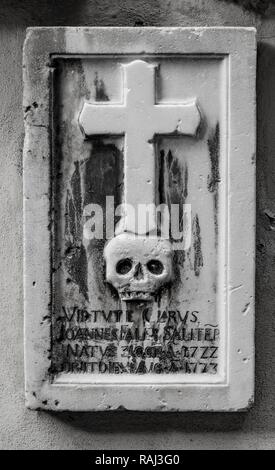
124, 266
155, 266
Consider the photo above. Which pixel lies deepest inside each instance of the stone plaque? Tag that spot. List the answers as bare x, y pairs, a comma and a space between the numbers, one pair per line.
139, 164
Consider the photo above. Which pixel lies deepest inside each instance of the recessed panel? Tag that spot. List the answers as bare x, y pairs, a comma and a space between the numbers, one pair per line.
178, 331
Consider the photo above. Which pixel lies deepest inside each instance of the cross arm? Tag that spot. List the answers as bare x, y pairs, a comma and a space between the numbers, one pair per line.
184, 119
101, 119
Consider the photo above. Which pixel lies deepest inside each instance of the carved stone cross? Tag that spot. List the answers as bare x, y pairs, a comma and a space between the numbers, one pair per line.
139, 119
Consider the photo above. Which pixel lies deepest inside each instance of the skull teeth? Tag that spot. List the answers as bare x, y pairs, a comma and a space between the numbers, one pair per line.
135, 295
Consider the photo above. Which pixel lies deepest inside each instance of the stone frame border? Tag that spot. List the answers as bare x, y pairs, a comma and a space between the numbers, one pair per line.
239, 45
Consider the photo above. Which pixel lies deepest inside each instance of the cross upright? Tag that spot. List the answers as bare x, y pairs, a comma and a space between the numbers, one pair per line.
139, 119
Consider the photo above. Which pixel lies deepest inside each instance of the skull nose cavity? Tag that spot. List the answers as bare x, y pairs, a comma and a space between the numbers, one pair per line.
124, 266
138, 272
155, 267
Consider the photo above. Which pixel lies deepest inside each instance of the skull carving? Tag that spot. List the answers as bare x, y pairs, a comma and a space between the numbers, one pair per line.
138, 266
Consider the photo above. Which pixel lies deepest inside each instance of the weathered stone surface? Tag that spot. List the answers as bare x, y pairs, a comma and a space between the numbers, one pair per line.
86, 347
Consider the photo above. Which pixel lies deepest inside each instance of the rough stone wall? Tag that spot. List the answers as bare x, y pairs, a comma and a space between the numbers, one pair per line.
21, 428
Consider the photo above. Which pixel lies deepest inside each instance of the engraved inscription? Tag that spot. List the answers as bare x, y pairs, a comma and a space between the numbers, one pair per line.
118, 342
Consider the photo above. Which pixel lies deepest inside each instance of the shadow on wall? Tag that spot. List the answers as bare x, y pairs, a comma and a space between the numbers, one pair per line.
82, 12
260, 416
258, 6
49, 13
